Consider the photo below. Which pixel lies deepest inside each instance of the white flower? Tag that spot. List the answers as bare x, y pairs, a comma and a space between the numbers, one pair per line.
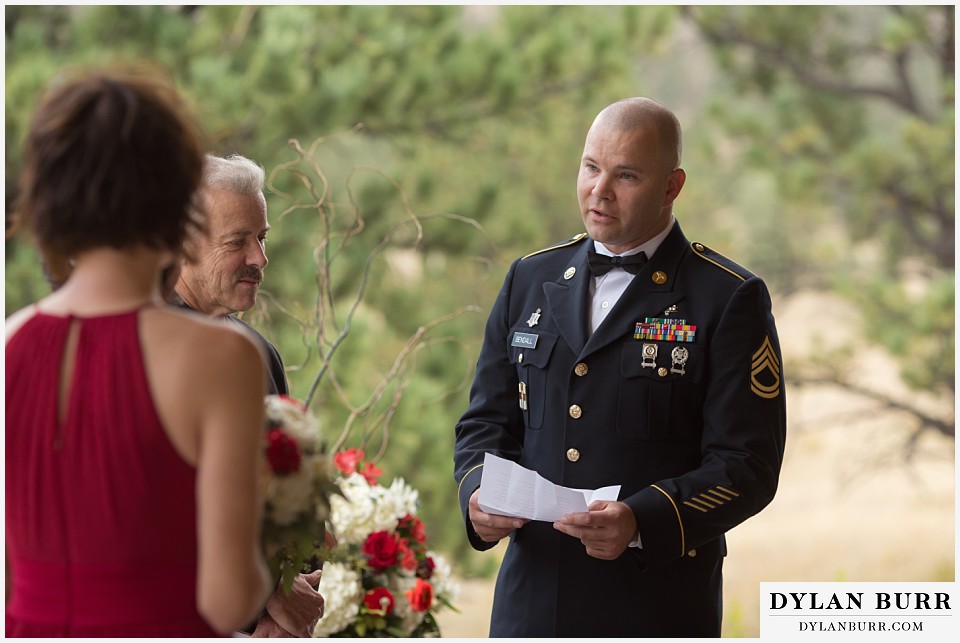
290, 495
399, 584
341, 591
442, 578
366, 509
296, 421
403, 497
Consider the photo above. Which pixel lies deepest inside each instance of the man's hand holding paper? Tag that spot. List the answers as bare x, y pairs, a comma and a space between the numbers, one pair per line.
510, 496
606, 530
507, 489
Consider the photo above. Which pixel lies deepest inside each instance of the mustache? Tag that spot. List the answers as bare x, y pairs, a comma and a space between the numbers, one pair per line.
250, 273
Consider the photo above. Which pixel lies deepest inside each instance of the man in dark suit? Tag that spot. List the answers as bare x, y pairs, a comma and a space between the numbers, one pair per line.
625, 356
221, 276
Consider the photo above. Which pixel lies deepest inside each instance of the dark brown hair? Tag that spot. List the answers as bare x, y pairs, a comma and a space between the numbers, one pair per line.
112, 158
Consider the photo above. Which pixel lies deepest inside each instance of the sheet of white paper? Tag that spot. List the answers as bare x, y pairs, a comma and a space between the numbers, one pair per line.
507, 489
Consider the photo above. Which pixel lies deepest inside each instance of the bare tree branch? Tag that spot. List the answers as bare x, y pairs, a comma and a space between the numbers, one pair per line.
941, 246
328, 336
806, 73
925, 421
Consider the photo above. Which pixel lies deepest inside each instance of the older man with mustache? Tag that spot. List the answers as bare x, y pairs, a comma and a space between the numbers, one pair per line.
222, 270
220, 275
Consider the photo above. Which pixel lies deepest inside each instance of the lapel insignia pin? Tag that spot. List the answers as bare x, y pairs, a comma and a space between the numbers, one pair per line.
659, 277
570, 272
534, 319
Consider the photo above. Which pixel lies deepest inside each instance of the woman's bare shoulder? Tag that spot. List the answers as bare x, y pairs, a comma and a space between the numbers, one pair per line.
211, 341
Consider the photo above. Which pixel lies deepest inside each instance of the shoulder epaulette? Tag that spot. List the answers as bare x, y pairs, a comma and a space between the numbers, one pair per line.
720, 261
568, 242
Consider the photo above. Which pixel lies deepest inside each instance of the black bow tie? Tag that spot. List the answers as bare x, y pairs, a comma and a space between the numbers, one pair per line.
602, 264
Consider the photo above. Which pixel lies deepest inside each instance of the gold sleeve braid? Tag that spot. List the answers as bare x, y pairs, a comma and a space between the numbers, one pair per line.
465, 476
683, 538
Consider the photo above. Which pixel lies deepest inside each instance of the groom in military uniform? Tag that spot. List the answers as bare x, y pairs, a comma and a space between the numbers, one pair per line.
625, 356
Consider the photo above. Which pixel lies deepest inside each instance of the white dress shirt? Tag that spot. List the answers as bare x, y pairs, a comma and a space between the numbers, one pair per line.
605, 292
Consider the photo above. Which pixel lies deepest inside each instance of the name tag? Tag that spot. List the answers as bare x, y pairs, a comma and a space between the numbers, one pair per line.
525, 340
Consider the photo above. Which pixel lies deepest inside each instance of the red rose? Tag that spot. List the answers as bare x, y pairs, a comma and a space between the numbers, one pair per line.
426, 567
379, 599
370, 473
282, 452
408, 559
421, 596
380, 549
415, 526
348, 460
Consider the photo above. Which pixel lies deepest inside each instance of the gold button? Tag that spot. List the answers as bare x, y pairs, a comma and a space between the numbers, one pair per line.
698, 247
581, 369
573, 455
662, 372
575, 412
659, 277
692, 553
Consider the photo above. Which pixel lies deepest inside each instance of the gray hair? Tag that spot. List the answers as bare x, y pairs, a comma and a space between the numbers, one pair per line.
234, 173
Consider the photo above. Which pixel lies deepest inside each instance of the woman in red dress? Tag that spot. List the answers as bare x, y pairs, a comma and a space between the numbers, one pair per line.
132, 428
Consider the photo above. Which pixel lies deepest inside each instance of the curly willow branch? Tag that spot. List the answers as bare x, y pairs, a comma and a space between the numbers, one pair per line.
401, 363
334, 237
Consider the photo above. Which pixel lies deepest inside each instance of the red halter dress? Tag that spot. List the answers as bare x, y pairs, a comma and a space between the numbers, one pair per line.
100, 510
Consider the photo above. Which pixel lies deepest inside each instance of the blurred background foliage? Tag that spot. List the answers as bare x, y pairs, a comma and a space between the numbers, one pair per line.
414, 151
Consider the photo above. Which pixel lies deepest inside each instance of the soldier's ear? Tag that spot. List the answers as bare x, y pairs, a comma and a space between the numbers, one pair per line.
674, 184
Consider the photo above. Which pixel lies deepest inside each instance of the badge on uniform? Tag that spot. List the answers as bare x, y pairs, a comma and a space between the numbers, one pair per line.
524, 340
649, 356
679, 356
523, 396
765, 371
665, 329
534, 319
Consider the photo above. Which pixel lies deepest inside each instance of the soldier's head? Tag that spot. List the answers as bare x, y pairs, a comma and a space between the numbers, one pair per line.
630, 173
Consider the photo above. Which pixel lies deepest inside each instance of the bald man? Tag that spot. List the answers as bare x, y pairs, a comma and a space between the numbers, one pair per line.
627, 356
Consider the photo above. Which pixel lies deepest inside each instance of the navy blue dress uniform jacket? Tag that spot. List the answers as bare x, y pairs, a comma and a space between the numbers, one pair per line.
696, 444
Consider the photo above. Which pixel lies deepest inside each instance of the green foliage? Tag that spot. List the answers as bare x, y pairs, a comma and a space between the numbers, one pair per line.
856, 124
913, 320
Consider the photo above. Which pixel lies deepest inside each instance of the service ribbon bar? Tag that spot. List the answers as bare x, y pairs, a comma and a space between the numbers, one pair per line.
665, 329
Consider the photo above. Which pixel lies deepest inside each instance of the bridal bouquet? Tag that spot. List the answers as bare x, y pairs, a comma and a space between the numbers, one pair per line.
297, 488
380, 580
